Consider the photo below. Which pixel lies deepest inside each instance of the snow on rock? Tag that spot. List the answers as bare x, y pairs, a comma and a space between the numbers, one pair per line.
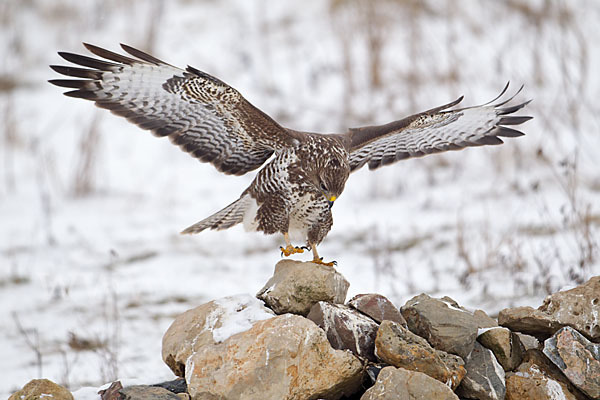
212, 322
285, 357
237, 314
42, 389
346, 328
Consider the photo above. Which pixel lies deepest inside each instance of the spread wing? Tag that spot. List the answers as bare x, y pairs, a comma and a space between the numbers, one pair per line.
434, 131
201, 114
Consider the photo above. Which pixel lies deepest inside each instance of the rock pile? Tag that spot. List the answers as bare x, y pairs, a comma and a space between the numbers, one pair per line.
299, 339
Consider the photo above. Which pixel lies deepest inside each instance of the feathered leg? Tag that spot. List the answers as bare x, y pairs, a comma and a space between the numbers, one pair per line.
319, 260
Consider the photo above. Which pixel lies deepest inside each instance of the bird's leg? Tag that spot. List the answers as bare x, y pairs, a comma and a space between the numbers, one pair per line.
288, 250
319, 260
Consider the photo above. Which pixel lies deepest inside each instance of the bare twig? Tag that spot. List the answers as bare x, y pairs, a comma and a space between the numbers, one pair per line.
32, 343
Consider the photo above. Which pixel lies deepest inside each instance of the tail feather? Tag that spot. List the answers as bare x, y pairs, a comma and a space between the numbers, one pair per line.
229, 216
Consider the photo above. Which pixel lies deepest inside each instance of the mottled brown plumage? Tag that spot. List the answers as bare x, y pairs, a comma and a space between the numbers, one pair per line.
294, 191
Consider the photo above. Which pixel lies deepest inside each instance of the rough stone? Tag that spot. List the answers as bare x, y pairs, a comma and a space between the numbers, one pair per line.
485, 377
346, 328
401, 348
41, 389
373, 371
377, 307
400, 384
529, 342
208, 324
176, 386
444, 324
285, 357
505, 345
538, 379
113, 392
577, 358
144, 392
529, 320
295, 286
578, 308
483, 320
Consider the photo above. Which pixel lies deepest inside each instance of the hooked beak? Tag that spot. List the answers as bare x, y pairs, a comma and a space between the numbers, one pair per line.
330, 201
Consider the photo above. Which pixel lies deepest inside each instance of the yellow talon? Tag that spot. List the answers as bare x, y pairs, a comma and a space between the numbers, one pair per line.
289, 250
321, 262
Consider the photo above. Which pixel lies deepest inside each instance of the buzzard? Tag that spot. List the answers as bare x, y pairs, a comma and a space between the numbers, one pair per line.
302, 173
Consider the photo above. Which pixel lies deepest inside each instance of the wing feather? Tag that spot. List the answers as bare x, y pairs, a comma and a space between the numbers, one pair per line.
433, 131
199, 113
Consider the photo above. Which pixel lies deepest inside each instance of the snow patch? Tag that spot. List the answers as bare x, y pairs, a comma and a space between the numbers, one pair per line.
86, 393
452, 307
237, 314
481, 331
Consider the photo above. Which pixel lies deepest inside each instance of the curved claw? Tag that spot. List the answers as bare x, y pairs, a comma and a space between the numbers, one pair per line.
321, 262
289, 250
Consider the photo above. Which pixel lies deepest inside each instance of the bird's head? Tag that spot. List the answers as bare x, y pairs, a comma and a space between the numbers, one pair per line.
332, 179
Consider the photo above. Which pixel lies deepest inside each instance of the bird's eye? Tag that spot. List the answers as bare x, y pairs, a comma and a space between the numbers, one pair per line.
323, 187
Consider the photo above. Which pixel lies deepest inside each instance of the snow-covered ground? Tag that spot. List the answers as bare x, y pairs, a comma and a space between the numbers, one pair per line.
92, 268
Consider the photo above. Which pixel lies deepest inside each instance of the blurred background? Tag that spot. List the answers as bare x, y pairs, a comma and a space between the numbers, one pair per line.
92, 268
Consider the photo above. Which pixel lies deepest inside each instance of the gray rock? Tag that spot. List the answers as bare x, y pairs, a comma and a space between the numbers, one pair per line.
176, 386
400, 384
143, 392
577, 358
529, 342
505, 345
346, 328
285, 357
444, 324
42, 389
295, 286
530, 321
538, 379
401, 348
208, 324
483, 320
578, 308
485, 376
377, 307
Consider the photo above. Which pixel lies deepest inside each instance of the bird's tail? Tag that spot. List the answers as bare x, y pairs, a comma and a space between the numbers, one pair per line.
229, 216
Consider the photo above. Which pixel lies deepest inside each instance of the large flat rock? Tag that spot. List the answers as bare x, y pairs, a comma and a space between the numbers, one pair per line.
286, 357
209, 323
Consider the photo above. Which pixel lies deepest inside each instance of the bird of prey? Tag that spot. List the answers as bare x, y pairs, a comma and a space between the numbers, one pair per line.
302, 173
